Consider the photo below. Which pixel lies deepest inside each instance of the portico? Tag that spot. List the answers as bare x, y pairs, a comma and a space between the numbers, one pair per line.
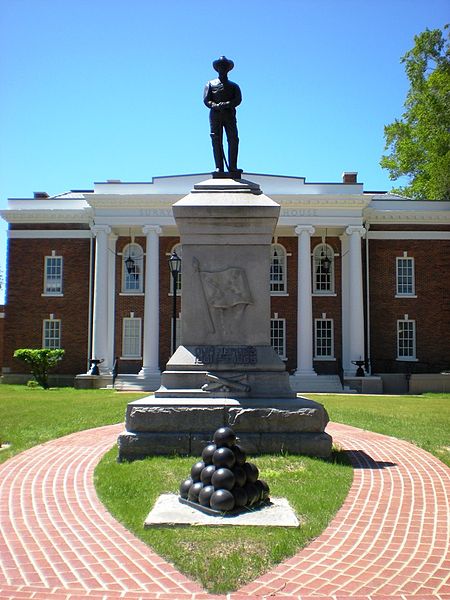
121, 210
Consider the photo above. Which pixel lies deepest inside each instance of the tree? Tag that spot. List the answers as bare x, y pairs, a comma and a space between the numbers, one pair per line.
419, 142
40, 361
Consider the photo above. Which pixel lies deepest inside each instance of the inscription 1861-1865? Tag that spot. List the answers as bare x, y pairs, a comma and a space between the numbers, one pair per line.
236, 355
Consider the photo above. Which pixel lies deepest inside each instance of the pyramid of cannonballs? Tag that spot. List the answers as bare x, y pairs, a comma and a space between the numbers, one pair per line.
223, 480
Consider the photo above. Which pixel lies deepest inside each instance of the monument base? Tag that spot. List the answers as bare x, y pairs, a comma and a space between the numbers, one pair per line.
183, 426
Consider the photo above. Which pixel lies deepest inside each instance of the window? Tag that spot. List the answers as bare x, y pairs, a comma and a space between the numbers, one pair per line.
405, 276
324, 344
278, 270
179, 250
406, 339
53, 275
131, 340
323, 269
278, 336
51, 336
132, 281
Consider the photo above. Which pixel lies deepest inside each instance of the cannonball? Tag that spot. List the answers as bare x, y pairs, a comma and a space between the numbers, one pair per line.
224, 437
239, 455
222, 500
252, 493
197, 469
240, 476
206, 474
266, 490
194, 491
223, 457
184, 487
259, 486
223, 479
251, 471
207, 453
204, 497
240, 496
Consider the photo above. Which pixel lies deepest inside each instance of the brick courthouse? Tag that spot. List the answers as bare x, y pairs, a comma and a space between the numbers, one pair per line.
355, 275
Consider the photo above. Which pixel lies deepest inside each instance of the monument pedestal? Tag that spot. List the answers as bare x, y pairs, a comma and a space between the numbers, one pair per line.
225, 372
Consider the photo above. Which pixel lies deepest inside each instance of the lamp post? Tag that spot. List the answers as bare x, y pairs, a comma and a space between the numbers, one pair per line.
175, 269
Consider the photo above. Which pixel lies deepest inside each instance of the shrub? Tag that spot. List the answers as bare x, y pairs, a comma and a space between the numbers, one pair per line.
40, 361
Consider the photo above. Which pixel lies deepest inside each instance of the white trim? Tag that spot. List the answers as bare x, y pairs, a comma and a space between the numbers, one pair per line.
409, 235
137, 320
329, 356
49, 233
413, 357
47, 291
283, 329
49, 295
131, 293
411, 261
324, 295
283, 282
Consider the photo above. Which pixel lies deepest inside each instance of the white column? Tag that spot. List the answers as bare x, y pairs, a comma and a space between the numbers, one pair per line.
150, 365
304, 302
355, 298
112, 239
100, 312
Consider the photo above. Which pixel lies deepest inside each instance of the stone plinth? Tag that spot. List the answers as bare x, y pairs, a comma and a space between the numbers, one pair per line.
225, 371
184, 425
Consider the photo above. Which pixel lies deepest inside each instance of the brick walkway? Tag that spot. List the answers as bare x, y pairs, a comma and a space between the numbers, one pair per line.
390, 539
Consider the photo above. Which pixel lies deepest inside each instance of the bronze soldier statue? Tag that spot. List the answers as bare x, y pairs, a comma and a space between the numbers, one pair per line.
222, 96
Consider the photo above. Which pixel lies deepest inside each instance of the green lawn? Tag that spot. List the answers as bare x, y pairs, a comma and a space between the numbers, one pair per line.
31, 416
423, 420
225, 558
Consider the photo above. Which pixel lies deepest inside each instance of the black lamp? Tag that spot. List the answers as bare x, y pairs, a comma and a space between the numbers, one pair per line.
130, 265
325, 262
175, 269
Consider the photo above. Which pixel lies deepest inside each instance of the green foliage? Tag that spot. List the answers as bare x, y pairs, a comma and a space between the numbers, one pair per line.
419, 142
41, 360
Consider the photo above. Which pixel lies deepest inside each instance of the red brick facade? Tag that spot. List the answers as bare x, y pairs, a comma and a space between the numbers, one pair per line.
426, 240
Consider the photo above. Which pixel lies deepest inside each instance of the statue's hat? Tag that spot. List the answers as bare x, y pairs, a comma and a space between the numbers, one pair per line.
223, 61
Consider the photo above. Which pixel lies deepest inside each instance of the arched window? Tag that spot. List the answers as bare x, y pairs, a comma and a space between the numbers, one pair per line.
323, 269
179, 250
278, 280
132, 271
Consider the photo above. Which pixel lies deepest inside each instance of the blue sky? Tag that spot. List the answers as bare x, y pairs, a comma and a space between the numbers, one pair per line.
100, 89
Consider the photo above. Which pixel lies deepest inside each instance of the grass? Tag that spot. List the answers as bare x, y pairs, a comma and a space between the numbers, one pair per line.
31, 416
224, 559
423, 420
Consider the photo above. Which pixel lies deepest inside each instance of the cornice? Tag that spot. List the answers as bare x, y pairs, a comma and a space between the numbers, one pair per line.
408, 216
131, 201
47, 216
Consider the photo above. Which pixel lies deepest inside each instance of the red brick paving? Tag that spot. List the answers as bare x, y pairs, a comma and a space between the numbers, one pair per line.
390, 539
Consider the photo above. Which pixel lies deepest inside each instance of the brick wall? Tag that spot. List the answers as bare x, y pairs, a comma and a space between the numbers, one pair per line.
430, 310
26, 308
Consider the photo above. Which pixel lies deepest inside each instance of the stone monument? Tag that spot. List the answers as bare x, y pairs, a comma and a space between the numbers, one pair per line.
225, 372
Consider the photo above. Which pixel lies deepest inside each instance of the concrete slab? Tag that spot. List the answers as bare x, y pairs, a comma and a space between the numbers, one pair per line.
169, 512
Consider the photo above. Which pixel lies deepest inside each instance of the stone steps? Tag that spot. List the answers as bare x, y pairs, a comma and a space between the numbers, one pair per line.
299, 383
316, 383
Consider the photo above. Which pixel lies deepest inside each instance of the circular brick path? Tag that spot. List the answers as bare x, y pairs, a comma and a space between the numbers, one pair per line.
390, 539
